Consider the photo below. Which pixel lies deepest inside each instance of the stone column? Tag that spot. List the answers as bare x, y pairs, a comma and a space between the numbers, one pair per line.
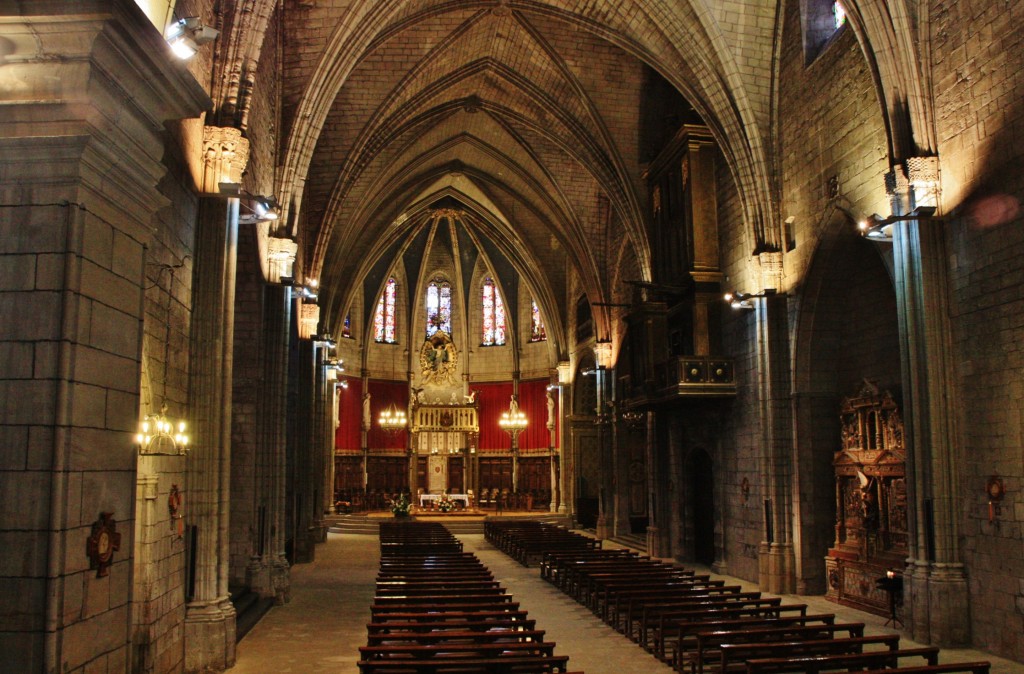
322, 448
777, 561
650, 460
79, 199
268, 572
936, 592
566, 468
210, 617
605, 450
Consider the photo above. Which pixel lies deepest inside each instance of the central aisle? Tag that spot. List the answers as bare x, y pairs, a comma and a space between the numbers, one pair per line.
592, 646
324, 624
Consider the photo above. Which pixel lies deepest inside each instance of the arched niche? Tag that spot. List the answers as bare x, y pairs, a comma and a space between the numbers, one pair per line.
847, 331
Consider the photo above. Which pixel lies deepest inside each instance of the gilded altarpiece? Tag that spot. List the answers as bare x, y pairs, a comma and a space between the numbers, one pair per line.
871, 500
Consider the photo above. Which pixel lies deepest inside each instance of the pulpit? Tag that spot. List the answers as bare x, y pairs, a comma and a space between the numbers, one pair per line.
871, 501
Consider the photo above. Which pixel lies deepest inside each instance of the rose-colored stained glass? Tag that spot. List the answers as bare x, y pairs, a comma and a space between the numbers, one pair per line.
537, 332
499, 319
494, 315
384, 319
439, 307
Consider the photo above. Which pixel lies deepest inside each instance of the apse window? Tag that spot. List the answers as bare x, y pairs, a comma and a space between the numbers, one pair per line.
537, 332
838, 15
824, 21
439, 307
384, 319
493, 315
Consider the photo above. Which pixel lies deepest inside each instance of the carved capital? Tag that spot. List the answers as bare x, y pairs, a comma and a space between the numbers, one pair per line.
280, 258
225, 156
771, 270
924, 179
309, 318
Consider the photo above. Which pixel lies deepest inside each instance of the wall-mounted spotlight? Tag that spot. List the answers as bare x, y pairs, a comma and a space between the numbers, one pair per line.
263, 209
185, 36
327, 340
739, 300
306, 292
879, 229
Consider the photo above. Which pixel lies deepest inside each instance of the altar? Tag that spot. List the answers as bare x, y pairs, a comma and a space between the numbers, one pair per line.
871, 502
431, 498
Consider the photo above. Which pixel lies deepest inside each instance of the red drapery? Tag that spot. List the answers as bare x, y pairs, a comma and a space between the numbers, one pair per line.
493, 401
350, 414
382, 394
533, 402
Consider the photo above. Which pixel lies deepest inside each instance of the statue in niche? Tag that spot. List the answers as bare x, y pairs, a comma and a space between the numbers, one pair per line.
551, 409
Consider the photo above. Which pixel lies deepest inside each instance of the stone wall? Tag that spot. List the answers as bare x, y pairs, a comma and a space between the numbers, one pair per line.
738, 453
978, 65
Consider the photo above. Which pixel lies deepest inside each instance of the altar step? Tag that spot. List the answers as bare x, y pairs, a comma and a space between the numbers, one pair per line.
353, 524
364, 524
637, 542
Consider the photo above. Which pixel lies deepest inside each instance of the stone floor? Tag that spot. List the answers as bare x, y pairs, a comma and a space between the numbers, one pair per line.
322, 627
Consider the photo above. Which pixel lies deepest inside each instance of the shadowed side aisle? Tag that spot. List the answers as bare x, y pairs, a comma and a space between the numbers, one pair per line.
322, 627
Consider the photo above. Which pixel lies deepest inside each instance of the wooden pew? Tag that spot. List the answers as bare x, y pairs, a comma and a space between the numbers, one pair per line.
496, 621
498, 665
734, 656
383, 618
695, 653
953, 668
688, 631
813, 664
450, 637
672, 624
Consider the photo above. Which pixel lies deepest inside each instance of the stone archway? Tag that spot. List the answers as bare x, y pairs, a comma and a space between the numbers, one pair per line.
849, 295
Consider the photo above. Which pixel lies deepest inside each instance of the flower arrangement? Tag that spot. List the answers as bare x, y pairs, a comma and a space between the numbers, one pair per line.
401, 507
445, 504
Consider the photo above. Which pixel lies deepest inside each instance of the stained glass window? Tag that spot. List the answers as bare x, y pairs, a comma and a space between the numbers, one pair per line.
346, 328
537, 332
494, 315
838, 14
384, 319
439, 307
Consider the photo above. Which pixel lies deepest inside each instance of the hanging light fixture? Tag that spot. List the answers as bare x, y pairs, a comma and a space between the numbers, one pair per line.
513, 420
392, 419
159, 434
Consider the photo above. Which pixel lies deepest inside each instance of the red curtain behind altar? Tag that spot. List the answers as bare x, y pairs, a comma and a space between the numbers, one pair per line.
534, 403
382, 394
350, 414
493, 400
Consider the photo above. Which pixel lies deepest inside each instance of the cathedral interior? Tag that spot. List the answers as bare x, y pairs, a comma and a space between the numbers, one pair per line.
735, 282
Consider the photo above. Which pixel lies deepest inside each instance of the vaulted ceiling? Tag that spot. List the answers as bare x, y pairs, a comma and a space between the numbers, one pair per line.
534, 115
536, 119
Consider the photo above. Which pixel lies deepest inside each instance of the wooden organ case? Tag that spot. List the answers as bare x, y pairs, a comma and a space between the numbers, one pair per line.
871, 501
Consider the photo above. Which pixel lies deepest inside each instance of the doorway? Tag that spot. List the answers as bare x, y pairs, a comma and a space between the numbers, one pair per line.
702, 506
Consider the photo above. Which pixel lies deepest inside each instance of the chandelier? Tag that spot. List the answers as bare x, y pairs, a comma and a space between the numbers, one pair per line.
513, 420
392, 419
159, 435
